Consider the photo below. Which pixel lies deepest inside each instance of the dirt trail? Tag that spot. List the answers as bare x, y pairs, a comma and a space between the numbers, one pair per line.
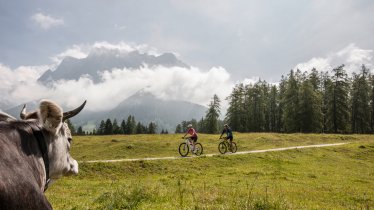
211, 155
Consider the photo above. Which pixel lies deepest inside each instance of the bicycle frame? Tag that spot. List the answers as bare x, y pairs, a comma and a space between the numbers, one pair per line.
189, 142
224, 139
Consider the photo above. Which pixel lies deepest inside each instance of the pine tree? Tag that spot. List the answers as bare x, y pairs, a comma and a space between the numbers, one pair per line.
281, 101
201, 125
108, 127
123, 127
116, 128
101, 129
291, 105
133, 124
326, 91
235, 112
273, 110
152, 128
80, 131
212, 115
337, 115
360, 119
310, 108
372, 103
129, 126
140, 128
178, 129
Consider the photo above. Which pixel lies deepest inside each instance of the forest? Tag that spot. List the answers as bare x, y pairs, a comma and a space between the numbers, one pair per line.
306, 102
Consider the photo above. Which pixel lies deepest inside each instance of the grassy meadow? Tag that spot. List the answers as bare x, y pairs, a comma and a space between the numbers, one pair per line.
339, 177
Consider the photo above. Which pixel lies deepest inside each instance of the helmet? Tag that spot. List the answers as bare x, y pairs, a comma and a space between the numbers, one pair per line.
189, 126
226, 125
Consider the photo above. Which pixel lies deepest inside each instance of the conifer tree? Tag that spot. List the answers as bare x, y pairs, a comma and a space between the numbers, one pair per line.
212, 115
235, 112
360, 119
116, 128
291, 104
152, 128
310, 108
101, 129
123, 127
337, 115
178, 129
108, 127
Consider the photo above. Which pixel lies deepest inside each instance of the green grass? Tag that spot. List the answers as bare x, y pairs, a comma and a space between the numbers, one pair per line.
315, 178
139, 146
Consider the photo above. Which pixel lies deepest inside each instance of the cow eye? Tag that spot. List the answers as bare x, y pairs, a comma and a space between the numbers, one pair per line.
70, 139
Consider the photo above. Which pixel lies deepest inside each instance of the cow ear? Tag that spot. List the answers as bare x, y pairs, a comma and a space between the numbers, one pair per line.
51, 115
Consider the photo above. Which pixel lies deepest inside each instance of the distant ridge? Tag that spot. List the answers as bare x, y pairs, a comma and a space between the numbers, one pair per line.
94, 64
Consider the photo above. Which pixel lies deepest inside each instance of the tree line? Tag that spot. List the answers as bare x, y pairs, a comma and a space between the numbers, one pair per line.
308, 102
129, 127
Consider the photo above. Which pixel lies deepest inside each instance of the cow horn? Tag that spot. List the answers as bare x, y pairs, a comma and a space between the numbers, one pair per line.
24, 115
23, 112
74, 112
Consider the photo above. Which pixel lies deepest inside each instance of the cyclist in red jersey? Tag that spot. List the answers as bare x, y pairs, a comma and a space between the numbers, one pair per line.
192, 134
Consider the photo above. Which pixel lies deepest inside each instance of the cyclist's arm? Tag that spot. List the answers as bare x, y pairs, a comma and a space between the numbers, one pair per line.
222, 133
186, 133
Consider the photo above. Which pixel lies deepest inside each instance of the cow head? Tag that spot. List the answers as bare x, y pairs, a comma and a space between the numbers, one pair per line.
51, 118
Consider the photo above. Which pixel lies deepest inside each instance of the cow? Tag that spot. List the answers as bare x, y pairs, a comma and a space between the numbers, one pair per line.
34, 152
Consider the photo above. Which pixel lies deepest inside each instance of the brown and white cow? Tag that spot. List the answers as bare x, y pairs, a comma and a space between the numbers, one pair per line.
34, 152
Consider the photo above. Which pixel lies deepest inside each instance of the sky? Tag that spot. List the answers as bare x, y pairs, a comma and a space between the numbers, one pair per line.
236, 41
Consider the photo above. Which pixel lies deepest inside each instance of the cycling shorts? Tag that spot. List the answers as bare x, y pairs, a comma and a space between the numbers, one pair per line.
194, 138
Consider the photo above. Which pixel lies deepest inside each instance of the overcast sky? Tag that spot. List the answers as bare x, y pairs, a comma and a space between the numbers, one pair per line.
245, 39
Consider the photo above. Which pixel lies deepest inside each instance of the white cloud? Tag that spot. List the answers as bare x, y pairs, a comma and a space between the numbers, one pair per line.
22, 81
351, 56
170, 83
83, 50
174, 83
76, 51
46, 21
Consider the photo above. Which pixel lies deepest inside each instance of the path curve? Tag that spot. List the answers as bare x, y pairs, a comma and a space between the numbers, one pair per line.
211, 155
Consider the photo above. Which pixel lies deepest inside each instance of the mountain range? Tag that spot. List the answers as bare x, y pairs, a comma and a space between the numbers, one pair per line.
144, 106
96, 63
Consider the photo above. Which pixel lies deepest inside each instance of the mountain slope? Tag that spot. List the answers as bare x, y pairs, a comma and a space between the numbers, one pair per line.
144, 106
166, 113
94, 64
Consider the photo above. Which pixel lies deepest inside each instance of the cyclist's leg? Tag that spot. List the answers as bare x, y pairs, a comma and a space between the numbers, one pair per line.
194, 140
230, 138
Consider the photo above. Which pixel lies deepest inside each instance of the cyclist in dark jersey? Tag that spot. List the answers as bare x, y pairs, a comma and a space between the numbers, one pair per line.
228, 132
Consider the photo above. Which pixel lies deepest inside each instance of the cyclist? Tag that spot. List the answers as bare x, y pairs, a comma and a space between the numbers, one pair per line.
192, 135
228, 132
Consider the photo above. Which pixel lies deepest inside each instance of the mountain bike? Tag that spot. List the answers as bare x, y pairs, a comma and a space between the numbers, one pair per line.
185, 147
225, 146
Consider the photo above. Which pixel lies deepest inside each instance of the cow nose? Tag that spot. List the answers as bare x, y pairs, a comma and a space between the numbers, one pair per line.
73, 168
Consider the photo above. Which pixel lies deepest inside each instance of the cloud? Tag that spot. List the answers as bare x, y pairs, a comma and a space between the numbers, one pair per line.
46, 21
174, 83
169, 83
19, 85
80, 51
351, 56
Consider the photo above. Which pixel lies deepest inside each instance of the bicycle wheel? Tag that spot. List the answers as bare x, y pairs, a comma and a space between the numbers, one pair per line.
233, 147
183, 149
222, 148
198, 149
